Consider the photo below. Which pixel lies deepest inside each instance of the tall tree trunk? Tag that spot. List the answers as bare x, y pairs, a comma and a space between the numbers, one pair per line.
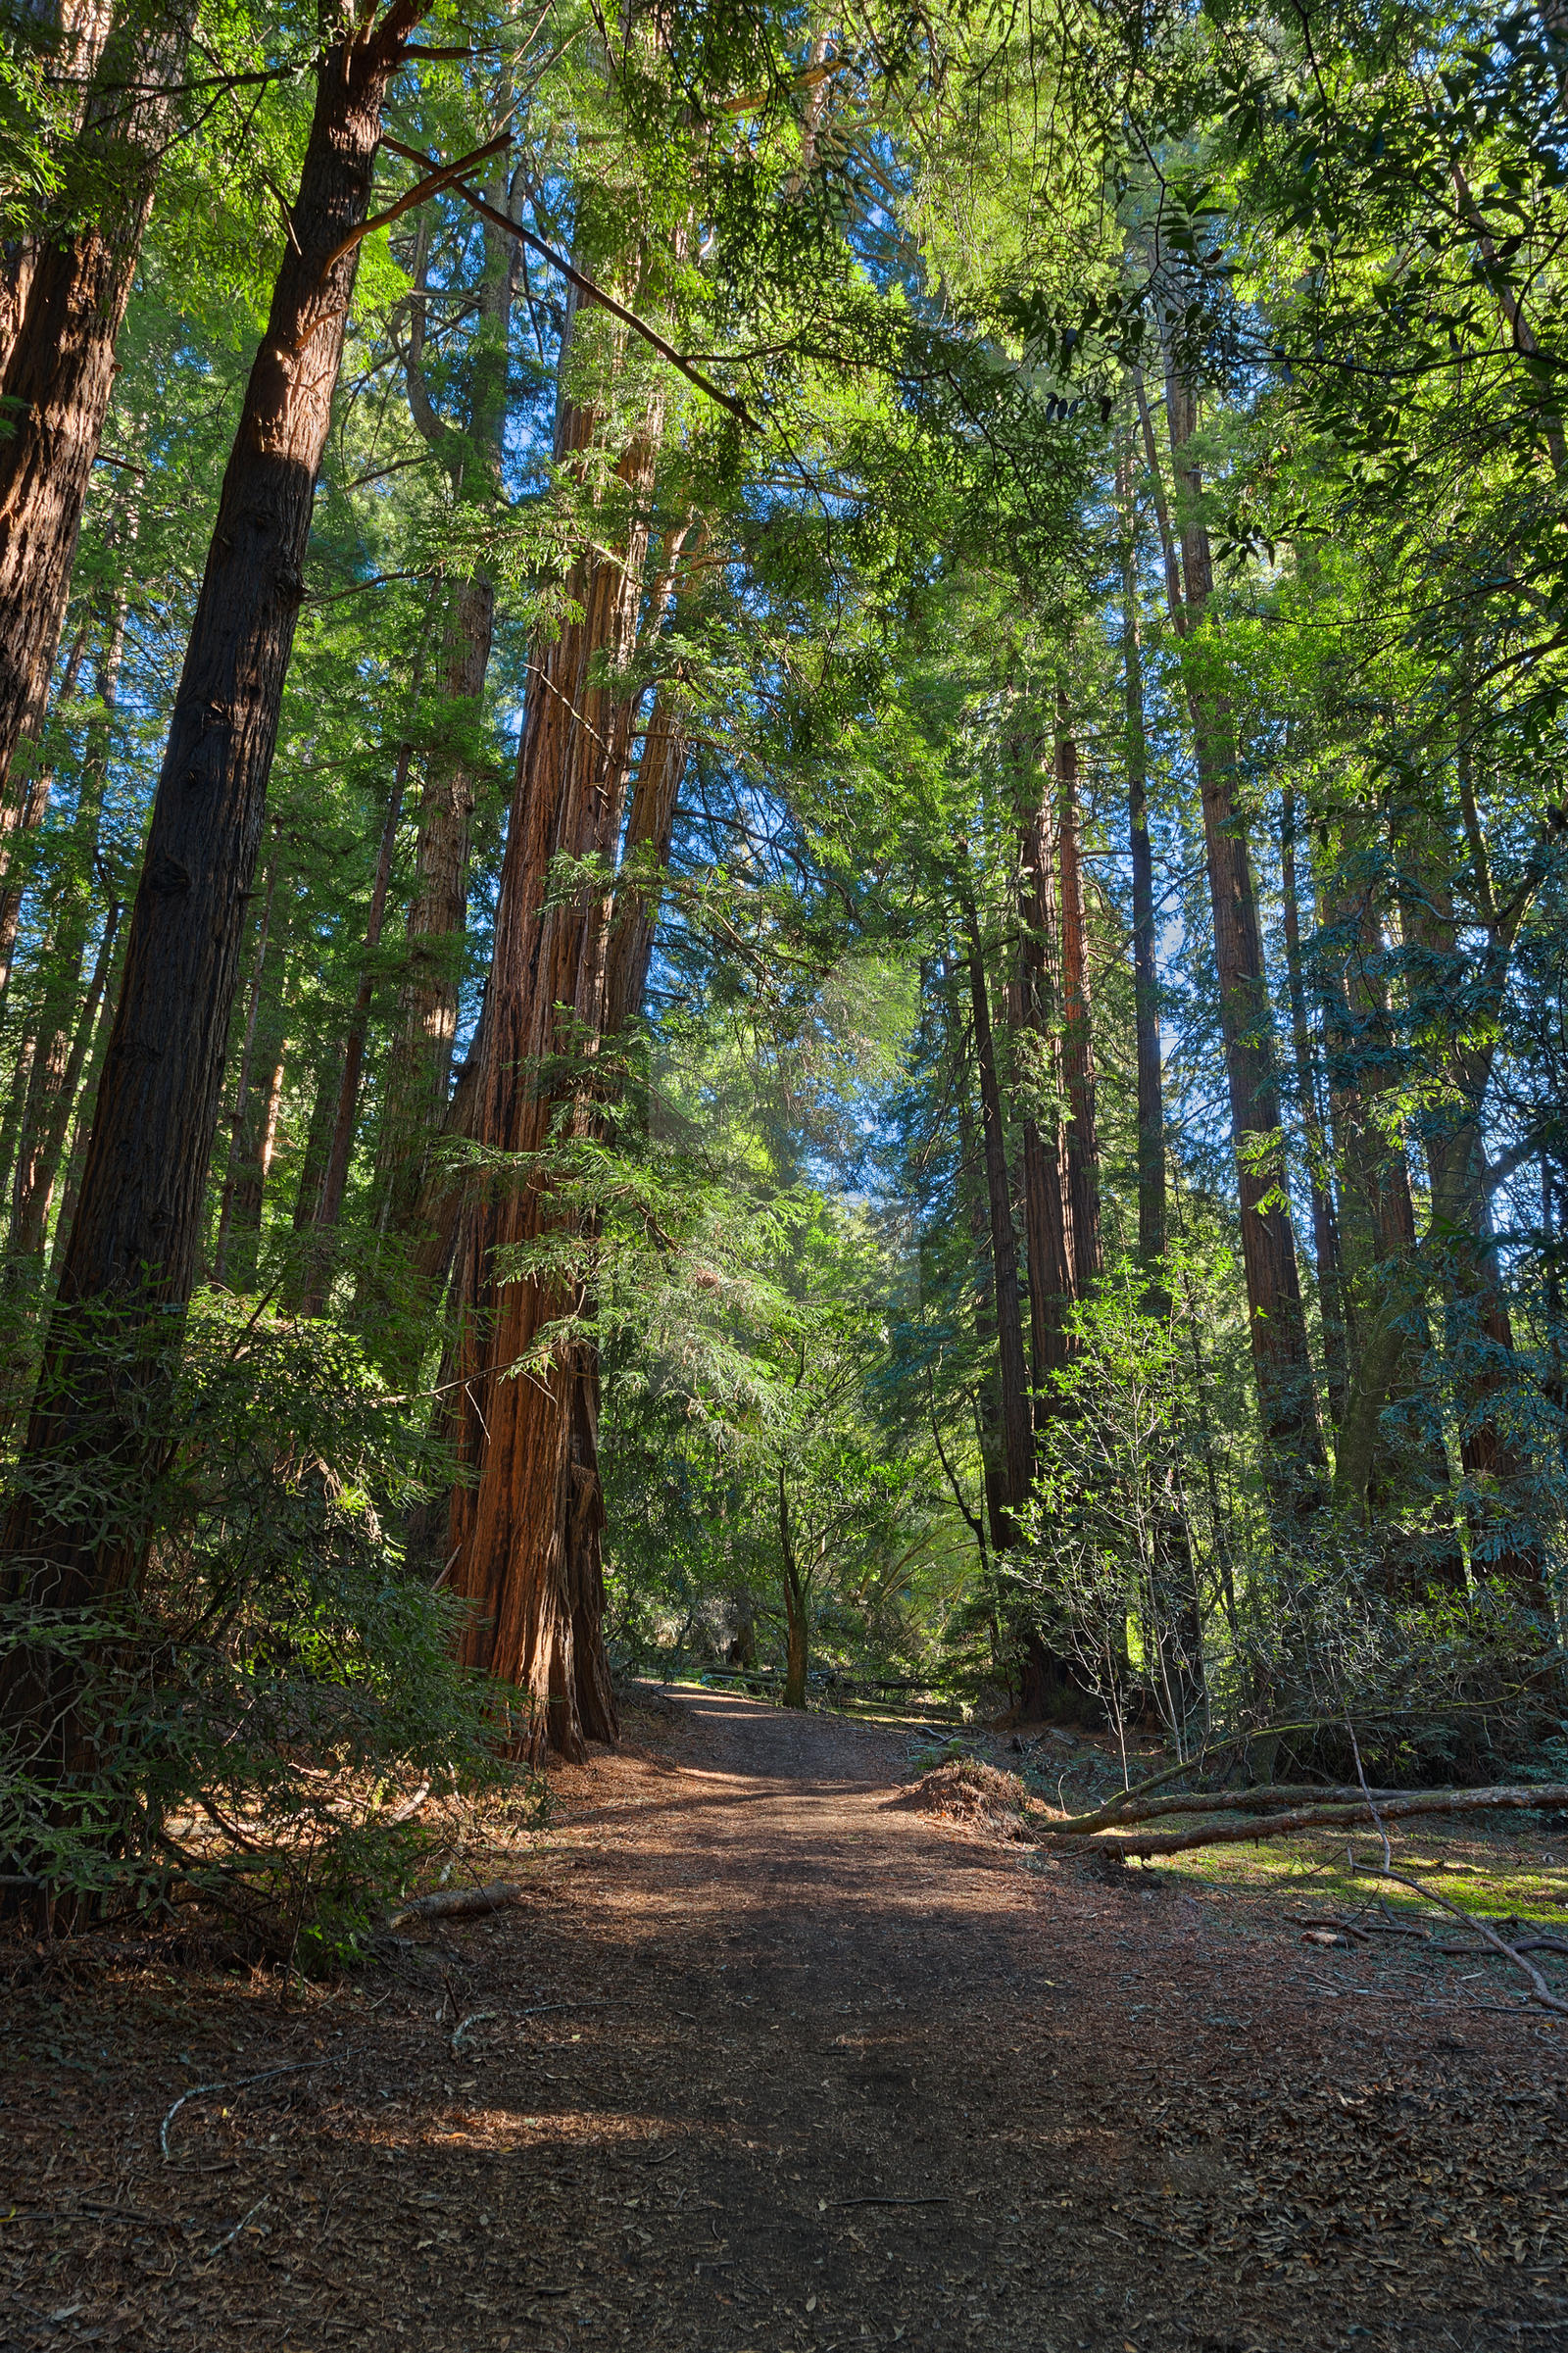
1174, 1599
135, 1240
1377, 1225
1325, 1224
1017, 1442
797, 1616
526, 1533
1047, 1224
1286, 1394
329, 1206
50, 1120
1077, 1026
649, 831
973, 1190
1152, 1209
1459, 993
63, 1039
29, 813
59, 368
239, 1117
419, 1064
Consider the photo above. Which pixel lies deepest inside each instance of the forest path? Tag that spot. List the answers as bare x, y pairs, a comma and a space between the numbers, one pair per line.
756, 2004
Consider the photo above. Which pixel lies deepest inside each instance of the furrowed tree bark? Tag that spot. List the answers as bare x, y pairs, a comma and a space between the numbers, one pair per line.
1283, 1366
525, 1535
419, 1065
59, 367
133, 1244
31, 812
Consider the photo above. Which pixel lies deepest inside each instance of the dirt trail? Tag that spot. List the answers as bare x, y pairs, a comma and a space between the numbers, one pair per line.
802, 2008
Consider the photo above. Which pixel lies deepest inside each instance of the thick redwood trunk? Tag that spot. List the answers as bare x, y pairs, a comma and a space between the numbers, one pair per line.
135, 1240
59, 367
1286, 1394
425, 1032
525, 1534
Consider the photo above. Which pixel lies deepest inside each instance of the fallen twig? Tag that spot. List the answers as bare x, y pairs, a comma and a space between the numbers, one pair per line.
1344, 1927
1538, 1985
931, 2201
230, 2237
473, 2018
199, 2092
457, 1904
410, 1805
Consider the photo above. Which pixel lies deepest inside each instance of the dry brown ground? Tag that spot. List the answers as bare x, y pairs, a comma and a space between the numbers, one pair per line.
836, 2075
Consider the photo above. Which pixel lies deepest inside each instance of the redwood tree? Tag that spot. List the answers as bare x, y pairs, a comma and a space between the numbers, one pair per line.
133, 1244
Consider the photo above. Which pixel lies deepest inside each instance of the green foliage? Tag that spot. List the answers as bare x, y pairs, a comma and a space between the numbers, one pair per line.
238, 1728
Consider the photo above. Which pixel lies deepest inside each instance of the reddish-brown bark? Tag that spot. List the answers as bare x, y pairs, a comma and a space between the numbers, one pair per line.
59, 364
1286, 1394
135, 1240
425, 1028
1016, 1426
524, 1536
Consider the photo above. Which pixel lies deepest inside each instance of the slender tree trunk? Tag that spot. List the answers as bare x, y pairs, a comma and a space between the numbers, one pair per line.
59, 367
1017, 1443
525, 1534
1174, 1600
329, 1206
135, 1240
255, 1144
797, 1618
1325, 1224
239, 1120
1286, 1394
1152, 1209
1450, 981
649, 831
1379, 1216
1048, 1222
1077, 1033
66, 1028
29, 815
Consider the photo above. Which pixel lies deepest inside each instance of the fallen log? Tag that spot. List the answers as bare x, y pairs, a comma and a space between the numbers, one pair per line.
1263, 1798
457, 1904
1332, 1817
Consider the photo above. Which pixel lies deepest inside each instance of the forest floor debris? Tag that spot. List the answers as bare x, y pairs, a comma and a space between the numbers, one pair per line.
967, 1789
774, 2061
